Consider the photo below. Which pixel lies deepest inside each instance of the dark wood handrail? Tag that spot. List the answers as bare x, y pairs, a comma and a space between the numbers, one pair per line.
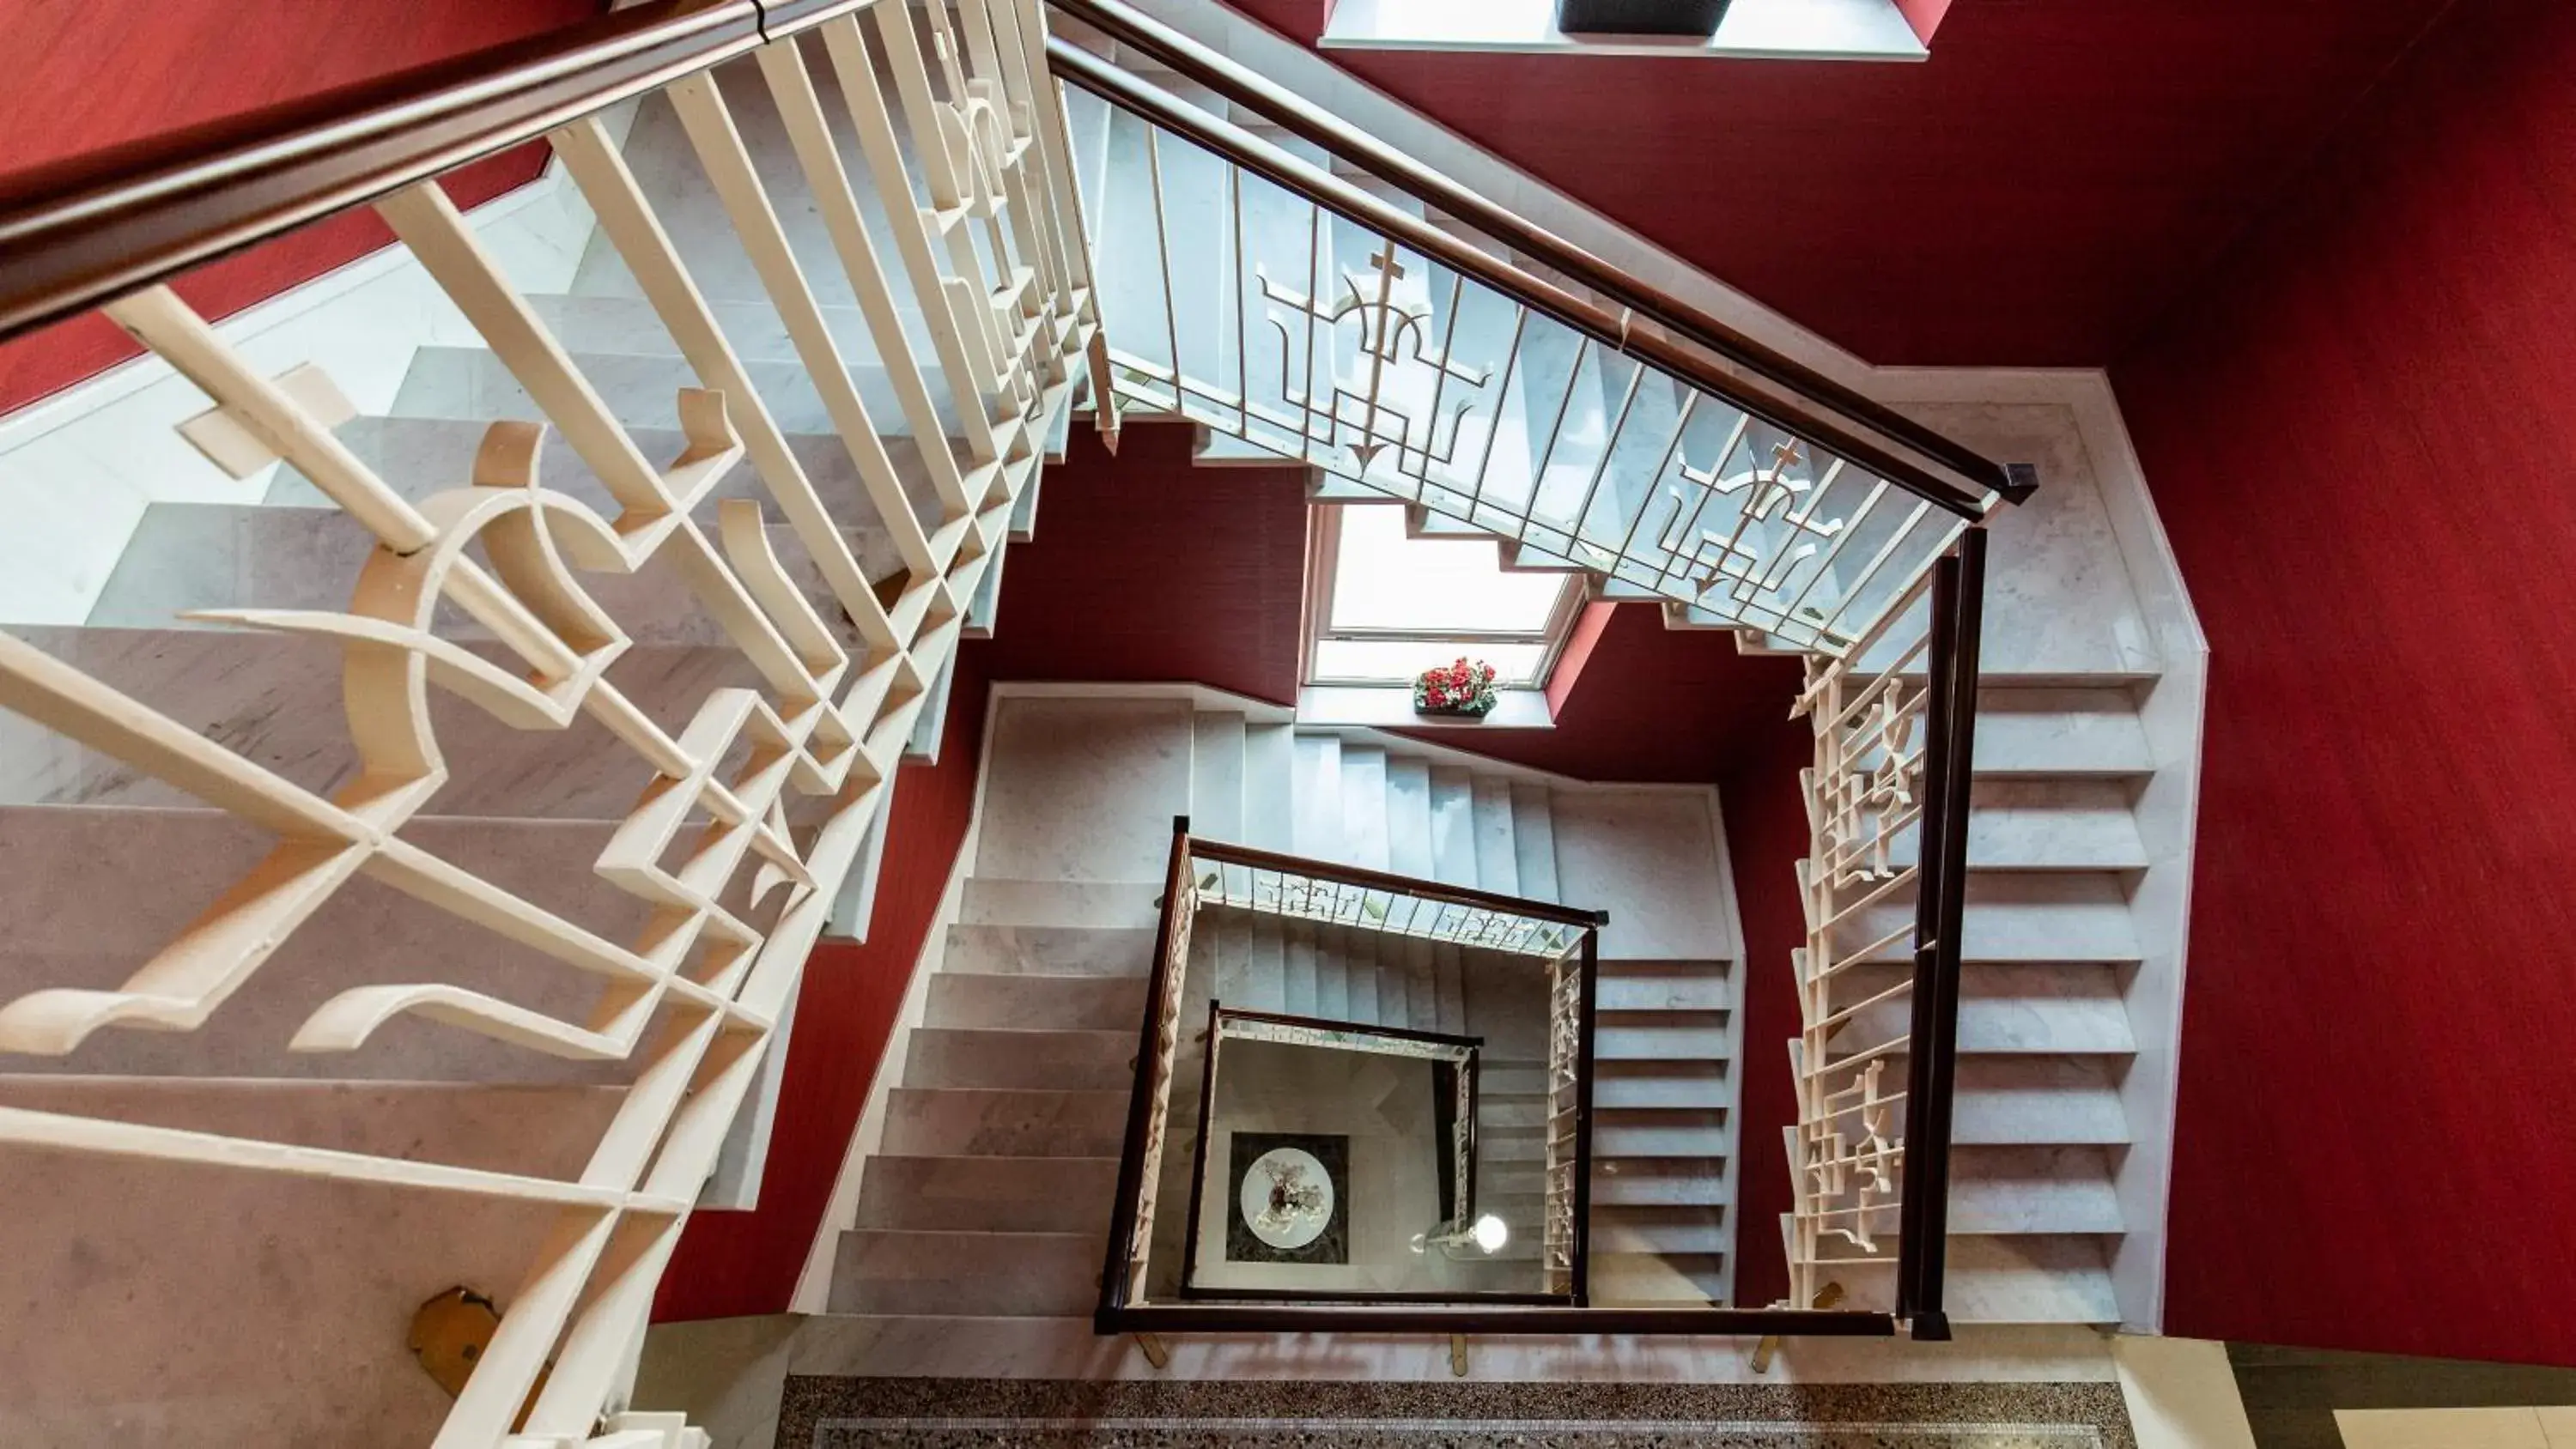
1388, 881
91, 228
1940, 910
1076, 66
1353, 1028
1115, 1268
1293, 113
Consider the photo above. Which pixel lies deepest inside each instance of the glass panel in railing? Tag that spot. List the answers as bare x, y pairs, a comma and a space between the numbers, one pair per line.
1135, 253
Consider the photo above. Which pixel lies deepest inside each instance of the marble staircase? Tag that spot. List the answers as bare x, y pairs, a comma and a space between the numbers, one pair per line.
1002, 1135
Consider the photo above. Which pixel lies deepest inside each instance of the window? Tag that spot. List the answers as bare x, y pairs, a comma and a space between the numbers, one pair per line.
1386, 606
1752, 29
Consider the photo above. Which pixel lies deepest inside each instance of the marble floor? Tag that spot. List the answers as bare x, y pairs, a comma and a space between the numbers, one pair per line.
845, 1413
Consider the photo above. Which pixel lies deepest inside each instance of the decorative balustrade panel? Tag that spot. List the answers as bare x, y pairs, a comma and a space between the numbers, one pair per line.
1565, 1111
1315, 336
1370, 907
749, 808
1857, 975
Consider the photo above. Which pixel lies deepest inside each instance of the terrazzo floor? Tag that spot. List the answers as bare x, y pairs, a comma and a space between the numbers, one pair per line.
880, 1413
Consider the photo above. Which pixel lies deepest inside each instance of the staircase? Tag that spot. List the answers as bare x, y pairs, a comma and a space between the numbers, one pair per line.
1014, 1086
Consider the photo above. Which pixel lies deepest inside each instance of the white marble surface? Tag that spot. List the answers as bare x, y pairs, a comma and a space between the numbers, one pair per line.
1317, 831
1408, 817
77, 472
1650, 857
1364, 808
1497, 855
1218, 761
1084, 790
1453, 825
1269, 786
166, 1354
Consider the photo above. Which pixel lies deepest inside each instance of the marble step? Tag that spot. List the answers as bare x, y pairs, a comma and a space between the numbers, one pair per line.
93, 893
185, 556
1316, 794
1251, 962
1366, 839
1421, 984
2032, 1190
1688, 1085
422, 456
1503, 1077
1657, 1278
1534, 842
1362, 982
1449, 989
1659, 1036
1298, 970
1633, 1132
1453, 824
984, 1122
1098, 905
2048, 824
1408, 817
2019, 916
277, 702
1495, 1113
1269, 786
1638, 986
1394, 982
989, 1194
1103, 1002
2036, 1099
1632, 1229
973, 1274
1217, 767
1490, 825
604, 323
1658, 1182
1050, 950
1503, 1145
2034, 1278
640, 390
2060, 733
1053, 1060
2074, 1008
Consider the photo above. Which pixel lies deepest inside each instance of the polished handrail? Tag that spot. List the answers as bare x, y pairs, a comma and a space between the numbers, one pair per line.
1293, 113
1367, 879
1079, 67
1932, 1066
93, 227
1123, 1207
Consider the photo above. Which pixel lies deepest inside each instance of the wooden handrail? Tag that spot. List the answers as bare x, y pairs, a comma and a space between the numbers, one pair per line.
93, 227
1392, 883
1932, 1065
1079, 67
1293, 113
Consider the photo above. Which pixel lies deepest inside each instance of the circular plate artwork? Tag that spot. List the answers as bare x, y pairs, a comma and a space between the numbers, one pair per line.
1287, 1198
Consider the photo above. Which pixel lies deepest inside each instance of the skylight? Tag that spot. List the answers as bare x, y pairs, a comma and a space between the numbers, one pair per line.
1394, 606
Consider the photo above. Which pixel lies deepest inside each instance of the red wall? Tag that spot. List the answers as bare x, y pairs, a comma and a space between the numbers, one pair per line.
89, 76
1145, 567
2037, 193
2362, 439
1766, 837
734, 1263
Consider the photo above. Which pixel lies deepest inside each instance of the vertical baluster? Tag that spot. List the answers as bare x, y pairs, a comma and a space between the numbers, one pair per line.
809, 135
627, 220
1555, 430
1055, 144
709, 124
1314, 281
951, 202
1682, 546
1609, 445
1242, 321
1163, 260
1502, 394
1439, 383
1655, 481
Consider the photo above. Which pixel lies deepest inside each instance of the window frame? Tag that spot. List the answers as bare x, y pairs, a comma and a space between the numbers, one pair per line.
1323, 565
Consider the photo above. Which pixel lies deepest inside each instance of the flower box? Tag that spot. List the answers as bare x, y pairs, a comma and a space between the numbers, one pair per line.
1462, 690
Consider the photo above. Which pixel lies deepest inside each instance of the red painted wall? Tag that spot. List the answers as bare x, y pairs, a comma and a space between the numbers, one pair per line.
1766, 837
1145, 567
2362, 438
2037, 193
733, 1263
88, 76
